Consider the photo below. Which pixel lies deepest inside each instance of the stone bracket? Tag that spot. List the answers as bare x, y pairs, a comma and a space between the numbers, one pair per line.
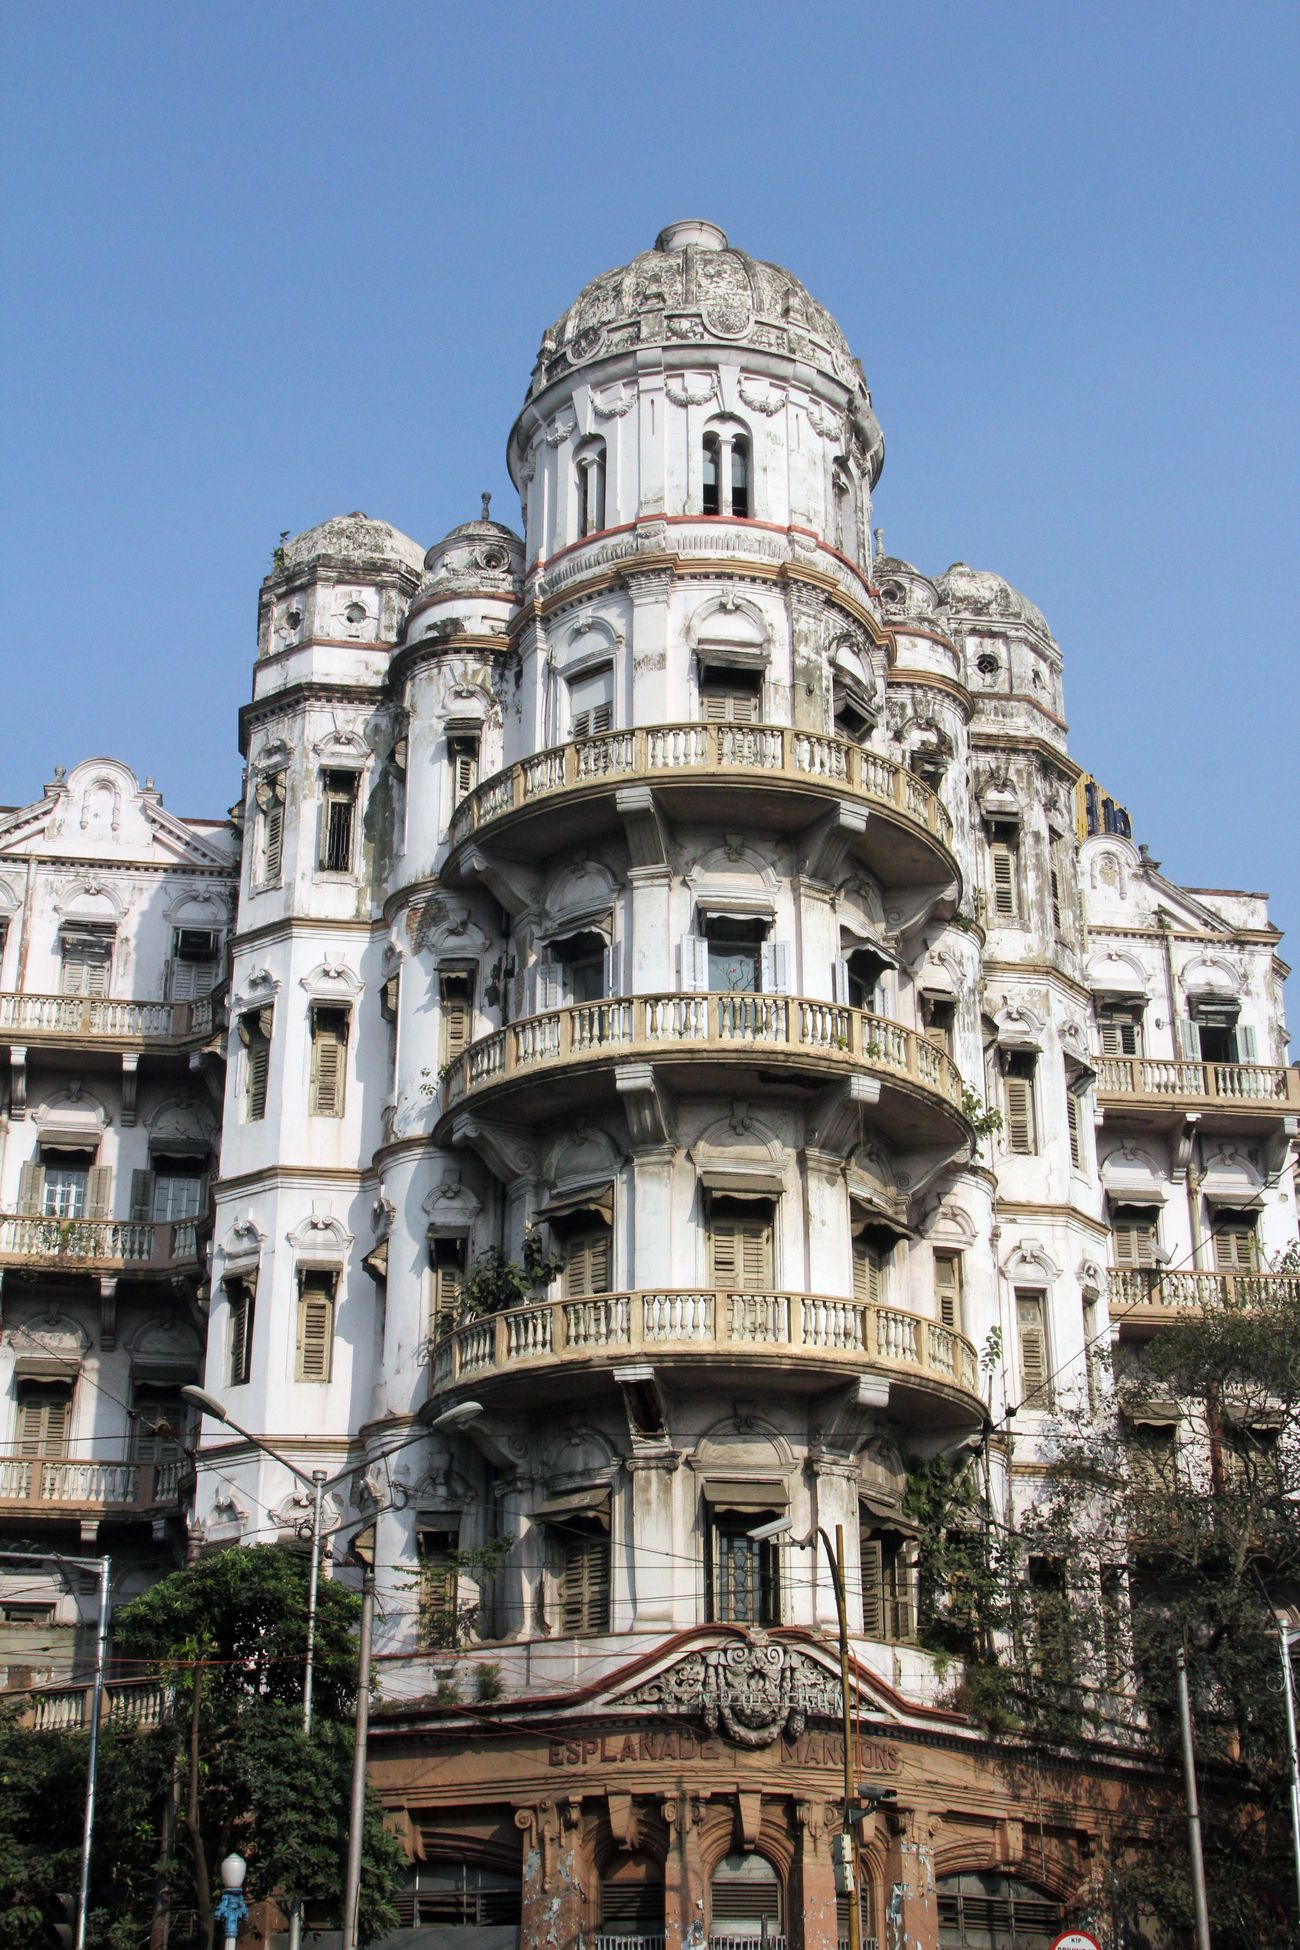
923, 1167
647, 835
1184, 1140
500, 1146
17, 1081
913, 907
644, 1106
518, 889
130, 1080
826, 844
834, 1123
647, 1424
108, 1311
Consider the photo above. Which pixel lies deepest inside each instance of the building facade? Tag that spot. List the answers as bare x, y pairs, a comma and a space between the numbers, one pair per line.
685, 998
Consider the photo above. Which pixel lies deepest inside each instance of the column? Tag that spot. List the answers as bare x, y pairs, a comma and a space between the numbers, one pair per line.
812, 1878
684, 1891
911, 1908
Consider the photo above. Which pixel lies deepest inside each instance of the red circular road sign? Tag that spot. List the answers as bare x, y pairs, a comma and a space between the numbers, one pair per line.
1076, 1940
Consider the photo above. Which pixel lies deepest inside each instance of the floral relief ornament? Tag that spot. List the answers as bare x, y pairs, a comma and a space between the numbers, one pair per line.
756, 1692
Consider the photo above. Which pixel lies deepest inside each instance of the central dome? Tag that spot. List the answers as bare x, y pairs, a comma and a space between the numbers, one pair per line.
694, 288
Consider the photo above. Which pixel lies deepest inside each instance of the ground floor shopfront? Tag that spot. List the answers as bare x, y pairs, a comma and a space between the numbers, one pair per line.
695, 1798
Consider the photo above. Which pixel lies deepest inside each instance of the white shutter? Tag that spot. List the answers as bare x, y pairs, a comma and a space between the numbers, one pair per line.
1020, 1114
839, 980
1247, 1047
947, 1289
1002, 860
613, 974
548, 986
31, 1188
315, 1348
1189, 1039
692, 963
776, 968
1032, 1331
99, 1192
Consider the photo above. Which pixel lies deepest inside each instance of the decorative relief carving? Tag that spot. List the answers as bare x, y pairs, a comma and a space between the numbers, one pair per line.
614, 409
769, 402
558, 432
682, 393
756, 1692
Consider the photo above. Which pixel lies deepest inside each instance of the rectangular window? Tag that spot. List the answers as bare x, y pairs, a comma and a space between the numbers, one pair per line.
157, 1422
947, 1290
1120, 1024
1074, 1129
177, 1189
268, 858
329, 1052
239, 1343
591, 703
888, 1609
582, 1579
462, 758
868, 1265
858, 977
1004, 869
1058, 912
338, 820
449, 1260
586, 1251
456, 1003
1049, 1616
1031, 1332
744, 1584
585, 961
1018, 1090
87, 963
255, 1035
938, 1019
1135, 1234
1235, 1242
44, 1418
1152, 1451
438, 1552
63, 1191
314, 1348
740, 1244
194, 966
730, 696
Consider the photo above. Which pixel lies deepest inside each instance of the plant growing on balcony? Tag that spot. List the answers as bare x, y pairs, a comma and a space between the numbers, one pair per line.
495, 1282
445, 1619
982, 1119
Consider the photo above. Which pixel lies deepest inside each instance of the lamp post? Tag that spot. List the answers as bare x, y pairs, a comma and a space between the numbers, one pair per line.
101, 1565
766, 1533
318, 1482
232, 1909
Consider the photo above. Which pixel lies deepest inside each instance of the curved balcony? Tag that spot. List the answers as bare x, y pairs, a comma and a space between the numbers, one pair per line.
702, 774
104, 1021
554, 1063
811, 1340
1159, 1089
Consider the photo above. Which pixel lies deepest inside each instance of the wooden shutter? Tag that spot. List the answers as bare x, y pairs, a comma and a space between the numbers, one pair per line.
1002, 864
1234, 1246
722, 703
775, 964
693, 963
455, 1016
1120, 1032
329, 1043
873, 1587
586, 1262
1020, 1113
548, 986
241, 1333
947, 1289
315, 1352
272, 842
1247, 1047
142, 1189
1189, 1039
740, 1250
85, 966
31, 1188
866, 1270
1133, 1231
99, 1192
584, 1583
1072, 1127
44, 1415
1031, 1328
1055, 878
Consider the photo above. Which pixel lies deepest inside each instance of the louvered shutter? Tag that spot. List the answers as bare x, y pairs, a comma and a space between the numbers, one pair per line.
31, 1188
548, 986
1234, 1247
44, 1415
613, 970
1032, 1330
866, 1271
241, 1334
1119, 1033
1133, 1231
142, 1189
1020, 1114
692, 963
840, 981
1056, 899
259, 1058
328, 1046
741, 1252
315, 1334
1072, 1127
85, 968
584, 1584
587, 1263
1247, 1046
1002, 862
99, 1192
272, 842
1189, 1039
455, 1023
947, 1289
776, 967
873, 1582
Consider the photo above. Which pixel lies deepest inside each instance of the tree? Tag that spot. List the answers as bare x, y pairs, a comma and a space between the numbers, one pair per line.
229, 1639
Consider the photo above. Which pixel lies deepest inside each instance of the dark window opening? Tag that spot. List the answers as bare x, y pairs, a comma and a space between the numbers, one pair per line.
744, 1586
730, 696
338, 820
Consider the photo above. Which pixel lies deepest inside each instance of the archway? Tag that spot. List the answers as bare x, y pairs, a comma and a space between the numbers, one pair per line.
986, 1910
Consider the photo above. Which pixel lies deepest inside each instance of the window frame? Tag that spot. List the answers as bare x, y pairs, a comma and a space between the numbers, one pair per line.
254, 1028
87, 948
763, 1584
314, 1324
330, 1029
758, 1254
270, 794
1035, 1393
591, 479
336, 849
1002, 848
1019, 1100
241, 1302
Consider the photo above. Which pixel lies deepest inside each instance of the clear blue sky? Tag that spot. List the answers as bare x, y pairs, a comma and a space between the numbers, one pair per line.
264, 264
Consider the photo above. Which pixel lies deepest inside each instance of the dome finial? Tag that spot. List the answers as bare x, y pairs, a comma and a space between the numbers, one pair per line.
699, 231
487, 506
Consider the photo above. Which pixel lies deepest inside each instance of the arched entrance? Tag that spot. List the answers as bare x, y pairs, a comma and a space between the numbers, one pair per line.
631, 1904
981, 1910
745, 1911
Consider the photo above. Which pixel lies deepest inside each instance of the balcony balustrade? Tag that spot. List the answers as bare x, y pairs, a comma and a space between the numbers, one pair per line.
799, 773
137, 1704
1150, 1289
98, 1245
1169, 1082
102, 1019
774, 1029
45, 1486
714, 1326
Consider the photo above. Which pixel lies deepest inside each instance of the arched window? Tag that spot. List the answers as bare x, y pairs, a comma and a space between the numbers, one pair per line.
632, 1899
590, 465
725, 486
744, 1899
846, 510
978, 1908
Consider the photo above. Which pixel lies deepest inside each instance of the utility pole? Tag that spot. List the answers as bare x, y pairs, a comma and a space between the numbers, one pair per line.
92, 1765
363, 1548
1193, 1806
1289, 1637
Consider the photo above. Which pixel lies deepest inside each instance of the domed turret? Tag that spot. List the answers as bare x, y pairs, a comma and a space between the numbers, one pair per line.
479, 563
979, 592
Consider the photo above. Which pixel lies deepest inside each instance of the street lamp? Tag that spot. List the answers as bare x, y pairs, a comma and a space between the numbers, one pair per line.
232, 1909
318, 1482
767, 1533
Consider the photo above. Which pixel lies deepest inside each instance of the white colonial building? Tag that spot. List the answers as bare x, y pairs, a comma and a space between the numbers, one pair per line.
685, 998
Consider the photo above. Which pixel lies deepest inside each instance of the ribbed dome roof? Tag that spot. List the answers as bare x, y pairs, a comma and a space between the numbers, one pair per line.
979, 592
354, 538
694, 288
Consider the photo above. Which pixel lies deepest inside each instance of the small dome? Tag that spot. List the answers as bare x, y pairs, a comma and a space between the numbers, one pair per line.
482, 553
978, 592
354, 540
694, 288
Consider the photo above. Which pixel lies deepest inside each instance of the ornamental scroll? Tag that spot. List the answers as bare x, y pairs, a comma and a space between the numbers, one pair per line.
756, 1692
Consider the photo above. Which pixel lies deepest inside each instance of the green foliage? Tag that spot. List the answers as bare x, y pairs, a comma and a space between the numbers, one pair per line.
265, 1788
982, 1121
495, 1282
487, 1684
445, 1620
